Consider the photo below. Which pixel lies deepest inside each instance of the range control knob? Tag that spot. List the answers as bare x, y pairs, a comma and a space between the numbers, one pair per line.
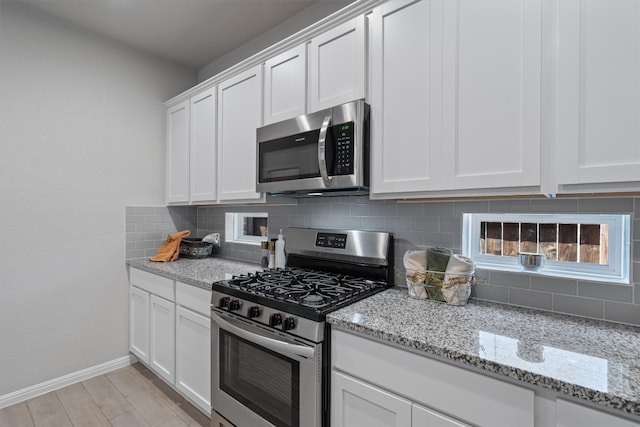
254, 311
224, 302
234, 305
289, 323
275, 319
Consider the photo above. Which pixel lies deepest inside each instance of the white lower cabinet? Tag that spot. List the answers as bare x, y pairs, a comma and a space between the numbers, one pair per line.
377, 384
162, 337
425, 417
570, 414
169, 331
193, 355
403, 388
139, 323
151, 321
356, 403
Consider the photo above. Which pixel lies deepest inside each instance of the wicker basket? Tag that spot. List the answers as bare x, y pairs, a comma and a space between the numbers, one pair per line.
454, 289
195, 248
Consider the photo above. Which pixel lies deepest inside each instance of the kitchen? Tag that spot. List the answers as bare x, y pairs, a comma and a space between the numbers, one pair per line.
75, 207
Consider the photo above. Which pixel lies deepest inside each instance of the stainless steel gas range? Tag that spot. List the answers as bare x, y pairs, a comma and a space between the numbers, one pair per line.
270, 345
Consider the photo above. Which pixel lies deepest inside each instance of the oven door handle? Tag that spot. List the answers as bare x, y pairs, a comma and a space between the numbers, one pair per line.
291, 350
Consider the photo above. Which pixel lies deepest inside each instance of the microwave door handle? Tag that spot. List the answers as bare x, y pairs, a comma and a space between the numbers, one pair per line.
291, 350
322, 149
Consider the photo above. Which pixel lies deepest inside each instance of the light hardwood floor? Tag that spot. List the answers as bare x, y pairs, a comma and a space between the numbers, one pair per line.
127, 397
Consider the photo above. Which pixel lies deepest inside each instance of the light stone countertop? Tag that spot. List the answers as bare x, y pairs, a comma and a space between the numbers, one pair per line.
197, 272
588, 359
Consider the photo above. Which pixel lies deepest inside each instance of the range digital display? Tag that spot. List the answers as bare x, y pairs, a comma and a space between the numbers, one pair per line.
331, 240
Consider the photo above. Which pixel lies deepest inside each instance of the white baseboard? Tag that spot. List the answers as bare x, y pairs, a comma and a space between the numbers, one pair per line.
56, 383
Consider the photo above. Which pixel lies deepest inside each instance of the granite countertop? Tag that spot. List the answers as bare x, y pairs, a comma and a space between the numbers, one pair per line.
589, 359
197, 272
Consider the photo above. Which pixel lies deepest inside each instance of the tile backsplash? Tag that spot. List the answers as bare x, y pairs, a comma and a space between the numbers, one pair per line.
148, 226
418, 225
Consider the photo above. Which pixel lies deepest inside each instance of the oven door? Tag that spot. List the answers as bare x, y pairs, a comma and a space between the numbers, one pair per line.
260, 377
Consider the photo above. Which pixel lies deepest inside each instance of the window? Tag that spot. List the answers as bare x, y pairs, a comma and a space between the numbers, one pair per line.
589, 247
247, 227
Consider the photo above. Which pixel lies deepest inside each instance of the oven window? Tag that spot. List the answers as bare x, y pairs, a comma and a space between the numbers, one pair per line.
262, 380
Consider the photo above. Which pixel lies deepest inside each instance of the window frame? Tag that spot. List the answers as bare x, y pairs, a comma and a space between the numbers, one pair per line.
234, 227
619, 246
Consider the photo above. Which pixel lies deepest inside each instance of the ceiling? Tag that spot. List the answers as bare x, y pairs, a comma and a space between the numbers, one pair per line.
189, 32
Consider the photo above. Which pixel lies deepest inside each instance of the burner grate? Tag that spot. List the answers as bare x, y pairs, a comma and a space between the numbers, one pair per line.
304, 287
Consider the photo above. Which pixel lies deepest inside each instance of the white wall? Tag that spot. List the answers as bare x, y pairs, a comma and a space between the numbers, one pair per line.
82, 134
318, 10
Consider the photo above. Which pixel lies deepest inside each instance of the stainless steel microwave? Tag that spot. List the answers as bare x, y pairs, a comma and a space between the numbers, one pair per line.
322, 153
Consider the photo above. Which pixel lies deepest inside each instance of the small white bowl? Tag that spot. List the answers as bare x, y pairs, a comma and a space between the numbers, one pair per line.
531, 261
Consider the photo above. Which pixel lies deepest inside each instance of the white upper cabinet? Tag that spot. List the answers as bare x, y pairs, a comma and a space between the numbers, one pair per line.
405, 148
178, 154
598, 107
285, 85
337, 65
203, 147
491, 85
468, 98
239, 115
455, 97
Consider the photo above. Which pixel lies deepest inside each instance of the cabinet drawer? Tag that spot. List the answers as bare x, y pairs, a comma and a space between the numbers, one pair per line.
152, 283
470, 396
569, 414
193, 298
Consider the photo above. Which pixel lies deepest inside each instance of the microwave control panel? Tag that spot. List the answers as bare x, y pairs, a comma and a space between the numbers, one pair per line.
343, 137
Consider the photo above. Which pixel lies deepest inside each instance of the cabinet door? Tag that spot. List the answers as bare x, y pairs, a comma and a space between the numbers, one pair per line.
491, 85
598, 136
337, 65
162, 337
572, 415
193, 357
424, 417
285, 85
178, 154
239, 115
356, 403
203, 164
139, 323
405, 148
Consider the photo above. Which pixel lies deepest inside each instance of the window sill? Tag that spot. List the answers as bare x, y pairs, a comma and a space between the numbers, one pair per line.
550, 272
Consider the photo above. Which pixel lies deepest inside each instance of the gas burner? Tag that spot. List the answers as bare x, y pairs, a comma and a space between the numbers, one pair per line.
312, 299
